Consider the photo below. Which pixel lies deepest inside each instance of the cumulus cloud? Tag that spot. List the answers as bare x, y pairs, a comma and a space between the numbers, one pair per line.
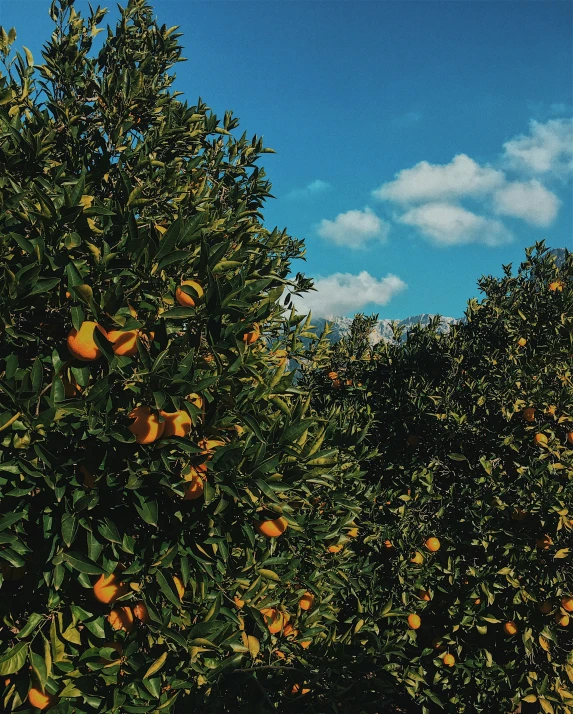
547, 149
354, 228
313, 188
530, 201
447, 224
343, 293
434, 182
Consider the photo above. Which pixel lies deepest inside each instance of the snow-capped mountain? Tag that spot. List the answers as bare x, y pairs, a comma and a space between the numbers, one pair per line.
340, 326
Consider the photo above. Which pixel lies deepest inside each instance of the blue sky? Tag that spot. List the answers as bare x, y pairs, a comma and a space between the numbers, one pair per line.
420, 145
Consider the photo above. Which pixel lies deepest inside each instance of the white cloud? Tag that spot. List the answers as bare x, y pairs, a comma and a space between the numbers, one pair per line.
314, 187
435, 182
447, 224
354, 228
530, 201
548, 148
342, 293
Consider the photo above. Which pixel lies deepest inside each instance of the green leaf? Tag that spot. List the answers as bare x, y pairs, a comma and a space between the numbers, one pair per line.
69, 528
33, 621
269, 575
156, 666
14, 659
457, 457
82, 564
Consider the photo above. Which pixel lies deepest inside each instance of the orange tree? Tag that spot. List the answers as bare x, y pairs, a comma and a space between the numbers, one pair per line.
471, 519
170, 501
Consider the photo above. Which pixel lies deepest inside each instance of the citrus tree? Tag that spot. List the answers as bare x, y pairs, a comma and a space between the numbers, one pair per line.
471, 519
174, 512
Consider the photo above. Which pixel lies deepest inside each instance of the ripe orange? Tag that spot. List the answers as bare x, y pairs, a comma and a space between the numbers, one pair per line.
477, 601
438, 644
194, 487
332, 375
432, 544
510, 628
417, 557
187, 300
522, 341
545, 607
544, 542
82, 345
121, 618
424, 595
305, 644
252, 336
196, 400
124, 342
209, 446
108, 589
567, 603
177, 423
40, 700
306, 602
238, 602
541, 439
561, 619
141, 612
414, 621
352, 532
556, 285
179, 586
273, 619
449, 660
529, 414
388, 544
288, 629
336, 384
297, 688
335, 548
146, 427
570, 437
551, 409
273, 528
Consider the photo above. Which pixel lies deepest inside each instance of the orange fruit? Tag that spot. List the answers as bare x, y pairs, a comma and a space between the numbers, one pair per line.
449, 660
541, 439
188, 300
570, 437
510, 628
146, 427
89, 478
124, 342
177, 423
70, 390
561, 619
518, 514
567, 603
209, 446
289, 630
556, 285
477, 601
273, 619
305, 644
196, 400
336, 384
438, 643
388, 544
306, 602
417, 557
141, 612
551, 409
194, 487
522, 341
545, 607
544, 542
424, 595
412, 440
432, 544
332, 375
179, 586
121, 618
335, 548
298, 688
352, 532
81, 343
252, 336
238, 602
529, 414
273, 528
40, 700
414, 621
279, 655
108, 589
